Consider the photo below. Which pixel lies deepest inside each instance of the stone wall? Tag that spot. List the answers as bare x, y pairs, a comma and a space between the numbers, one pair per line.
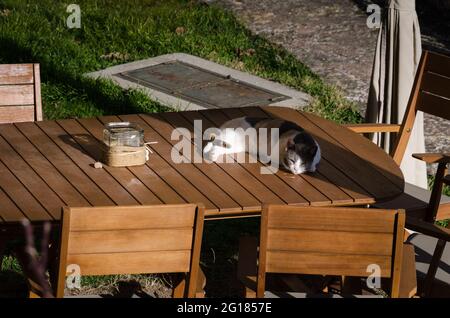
437, 4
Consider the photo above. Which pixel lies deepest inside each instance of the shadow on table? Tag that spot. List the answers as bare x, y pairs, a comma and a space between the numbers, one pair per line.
85, 143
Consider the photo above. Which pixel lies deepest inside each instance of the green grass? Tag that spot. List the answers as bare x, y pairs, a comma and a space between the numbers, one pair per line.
35, 31
446, 190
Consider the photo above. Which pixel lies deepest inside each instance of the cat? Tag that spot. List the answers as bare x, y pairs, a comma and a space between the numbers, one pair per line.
298, 152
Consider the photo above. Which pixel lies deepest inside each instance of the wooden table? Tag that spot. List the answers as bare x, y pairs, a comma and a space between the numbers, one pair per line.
49, 164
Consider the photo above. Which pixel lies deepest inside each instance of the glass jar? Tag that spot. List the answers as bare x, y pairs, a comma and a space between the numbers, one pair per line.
123, 134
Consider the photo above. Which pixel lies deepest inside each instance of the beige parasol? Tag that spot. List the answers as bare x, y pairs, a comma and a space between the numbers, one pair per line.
396, 59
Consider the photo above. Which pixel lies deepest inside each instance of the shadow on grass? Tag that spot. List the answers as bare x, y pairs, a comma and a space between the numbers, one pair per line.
12, 285
104, 94
220, 252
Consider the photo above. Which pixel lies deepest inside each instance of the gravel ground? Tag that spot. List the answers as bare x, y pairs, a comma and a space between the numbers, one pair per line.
333, 39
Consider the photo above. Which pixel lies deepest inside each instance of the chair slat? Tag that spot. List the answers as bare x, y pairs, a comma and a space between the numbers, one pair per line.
325, 264
133, 240
143, 217
16, 114
132, 263
438, 64
436, 85
348, 219
86, 242
20, 91
330, 242
11, 95
434, 105
16, 74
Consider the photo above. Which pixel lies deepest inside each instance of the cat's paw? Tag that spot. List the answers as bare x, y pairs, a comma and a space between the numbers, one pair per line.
211, 152
207, 149
214, 154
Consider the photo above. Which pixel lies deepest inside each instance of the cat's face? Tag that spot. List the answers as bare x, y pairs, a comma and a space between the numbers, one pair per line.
301, 155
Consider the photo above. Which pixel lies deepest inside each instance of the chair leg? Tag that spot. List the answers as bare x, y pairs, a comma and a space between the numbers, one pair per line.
201, 283
180, 288
436, 194
2, 248
434, 265
53, 264
351, 285
247, 268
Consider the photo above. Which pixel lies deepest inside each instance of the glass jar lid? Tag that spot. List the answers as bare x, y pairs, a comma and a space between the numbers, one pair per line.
123, 134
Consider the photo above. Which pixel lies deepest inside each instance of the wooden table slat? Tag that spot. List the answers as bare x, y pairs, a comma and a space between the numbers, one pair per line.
63, 163
150, 174
365, 151
30, 179
27, 203
84, 161
331, 173
194, 175
282, 183
339, 156
298, 183
244, 198
148, 177
246, 179
10, 211
42, 167
319, 179
47, 165
336, 177
82, 133
167, 172
174, 179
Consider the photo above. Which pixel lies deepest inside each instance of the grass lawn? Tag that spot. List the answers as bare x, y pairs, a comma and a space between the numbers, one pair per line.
114, 32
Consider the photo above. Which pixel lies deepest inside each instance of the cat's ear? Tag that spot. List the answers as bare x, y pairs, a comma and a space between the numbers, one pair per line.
290, 144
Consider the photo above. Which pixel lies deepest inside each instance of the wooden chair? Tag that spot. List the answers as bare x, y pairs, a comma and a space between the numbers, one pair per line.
430, 94
328, 241
20, 100
133, 240
433, 258
20, 93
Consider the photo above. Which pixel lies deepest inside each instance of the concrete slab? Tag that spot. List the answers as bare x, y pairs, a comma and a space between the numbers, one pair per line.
287, 97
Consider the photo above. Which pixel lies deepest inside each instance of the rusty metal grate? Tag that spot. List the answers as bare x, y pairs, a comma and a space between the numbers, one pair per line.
201, 86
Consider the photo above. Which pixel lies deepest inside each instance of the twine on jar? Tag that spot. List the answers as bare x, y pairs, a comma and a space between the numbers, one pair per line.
148, 150
149, 143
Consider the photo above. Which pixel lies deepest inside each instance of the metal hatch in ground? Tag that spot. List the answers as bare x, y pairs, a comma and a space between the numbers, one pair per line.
186, 82
201, 86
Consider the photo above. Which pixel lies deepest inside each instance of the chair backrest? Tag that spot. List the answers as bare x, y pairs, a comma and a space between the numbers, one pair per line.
430, 94
20, 93
132, 240
330, 241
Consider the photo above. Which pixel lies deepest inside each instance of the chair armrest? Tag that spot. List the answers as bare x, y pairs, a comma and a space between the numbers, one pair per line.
372, 128
408, 278
433, 157
426, 228
247, 269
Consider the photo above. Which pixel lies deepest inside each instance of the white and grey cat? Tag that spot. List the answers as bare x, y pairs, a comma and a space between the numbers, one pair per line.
298, 151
